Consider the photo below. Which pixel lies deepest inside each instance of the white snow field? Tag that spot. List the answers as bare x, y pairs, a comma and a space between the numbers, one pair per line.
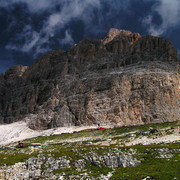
19, 131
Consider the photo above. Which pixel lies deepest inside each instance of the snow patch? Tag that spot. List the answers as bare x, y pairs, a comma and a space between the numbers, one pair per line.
19, 131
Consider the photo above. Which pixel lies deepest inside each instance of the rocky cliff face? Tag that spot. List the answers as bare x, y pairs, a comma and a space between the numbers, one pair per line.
124, 79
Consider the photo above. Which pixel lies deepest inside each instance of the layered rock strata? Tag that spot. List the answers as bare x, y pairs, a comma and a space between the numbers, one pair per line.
125, 79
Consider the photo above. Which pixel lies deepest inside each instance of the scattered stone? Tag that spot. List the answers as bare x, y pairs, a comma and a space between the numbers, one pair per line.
131, 135
80, 164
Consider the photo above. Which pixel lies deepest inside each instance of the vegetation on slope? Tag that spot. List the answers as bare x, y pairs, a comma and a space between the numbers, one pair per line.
158, 161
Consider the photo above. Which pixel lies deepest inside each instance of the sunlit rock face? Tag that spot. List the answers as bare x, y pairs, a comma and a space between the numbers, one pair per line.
124, 79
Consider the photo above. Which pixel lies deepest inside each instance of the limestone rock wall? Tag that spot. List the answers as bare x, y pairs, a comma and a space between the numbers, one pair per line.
124, 79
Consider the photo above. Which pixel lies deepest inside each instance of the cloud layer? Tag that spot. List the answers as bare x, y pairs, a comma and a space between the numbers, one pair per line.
40, 40
30, 28
169, 13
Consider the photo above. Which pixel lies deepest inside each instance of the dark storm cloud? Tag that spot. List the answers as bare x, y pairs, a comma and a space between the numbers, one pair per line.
33, 5
39, 41
6, 61
32, 27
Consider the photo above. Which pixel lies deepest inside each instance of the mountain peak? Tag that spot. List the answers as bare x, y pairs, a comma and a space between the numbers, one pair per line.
114, 33
124, 79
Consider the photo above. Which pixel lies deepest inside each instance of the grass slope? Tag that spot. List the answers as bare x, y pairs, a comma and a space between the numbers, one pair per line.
75, 145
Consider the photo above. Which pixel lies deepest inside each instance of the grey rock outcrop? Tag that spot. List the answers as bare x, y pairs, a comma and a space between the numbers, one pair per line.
43, 167
125, 79
112, 160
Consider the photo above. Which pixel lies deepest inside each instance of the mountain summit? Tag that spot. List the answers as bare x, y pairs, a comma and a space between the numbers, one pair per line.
124, 79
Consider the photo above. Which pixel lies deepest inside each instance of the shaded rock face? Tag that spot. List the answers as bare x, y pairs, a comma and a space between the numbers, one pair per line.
125, 79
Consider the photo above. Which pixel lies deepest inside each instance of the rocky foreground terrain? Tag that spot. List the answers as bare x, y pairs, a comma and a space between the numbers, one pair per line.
146, 152
124, 79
